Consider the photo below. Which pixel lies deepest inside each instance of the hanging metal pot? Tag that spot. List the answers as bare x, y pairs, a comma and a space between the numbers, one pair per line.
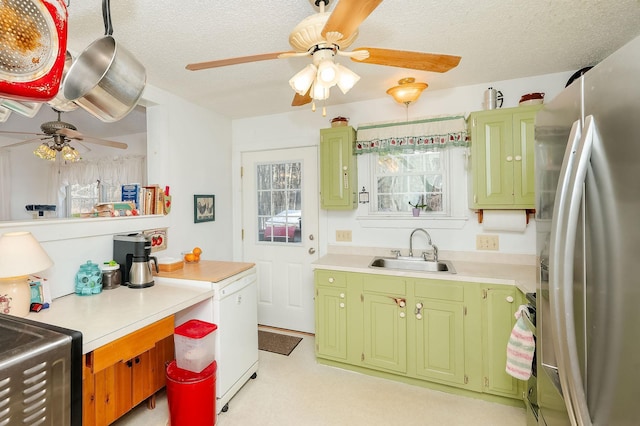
61, 103
105, 80
33, 42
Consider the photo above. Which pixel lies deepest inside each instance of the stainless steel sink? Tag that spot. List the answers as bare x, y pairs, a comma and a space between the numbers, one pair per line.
412, 264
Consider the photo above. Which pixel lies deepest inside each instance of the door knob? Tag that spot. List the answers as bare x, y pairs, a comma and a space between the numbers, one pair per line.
311, 237
312, 250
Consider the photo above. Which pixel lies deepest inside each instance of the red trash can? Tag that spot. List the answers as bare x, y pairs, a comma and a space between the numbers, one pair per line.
191, 396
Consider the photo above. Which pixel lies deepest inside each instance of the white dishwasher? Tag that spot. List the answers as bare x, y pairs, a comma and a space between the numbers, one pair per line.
234, 309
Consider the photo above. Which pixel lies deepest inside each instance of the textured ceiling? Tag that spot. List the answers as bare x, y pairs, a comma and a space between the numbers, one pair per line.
497, 40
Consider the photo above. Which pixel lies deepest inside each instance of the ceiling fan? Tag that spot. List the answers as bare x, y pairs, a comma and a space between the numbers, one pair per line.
325, 35
56, 137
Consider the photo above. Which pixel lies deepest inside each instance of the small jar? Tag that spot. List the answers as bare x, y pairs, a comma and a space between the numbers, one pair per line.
89, 279
111, 277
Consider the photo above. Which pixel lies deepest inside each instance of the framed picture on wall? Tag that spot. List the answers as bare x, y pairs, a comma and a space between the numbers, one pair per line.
204, 208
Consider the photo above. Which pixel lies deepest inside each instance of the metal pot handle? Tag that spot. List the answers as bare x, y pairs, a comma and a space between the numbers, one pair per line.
106, 17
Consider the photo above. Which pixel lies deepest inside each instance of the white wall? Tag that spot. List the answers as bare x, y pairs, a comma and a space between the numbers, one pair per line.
301, 128
189, 149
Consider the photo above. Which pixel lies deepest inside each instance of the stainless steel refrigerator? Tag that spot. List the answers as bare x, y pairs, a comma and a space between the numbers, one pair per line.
588, 247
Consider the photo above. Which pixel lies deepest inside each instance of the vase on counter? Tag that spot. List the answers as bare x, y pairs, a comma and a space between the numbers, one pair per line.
416, 212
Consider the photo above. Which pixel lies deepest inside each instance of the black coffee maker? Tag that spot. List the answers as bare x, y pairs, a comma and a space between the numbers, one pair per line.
132, 252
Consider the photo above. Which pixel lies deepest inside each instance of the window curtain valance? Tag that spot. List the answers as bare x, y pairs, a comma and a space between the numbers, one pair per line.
413, 136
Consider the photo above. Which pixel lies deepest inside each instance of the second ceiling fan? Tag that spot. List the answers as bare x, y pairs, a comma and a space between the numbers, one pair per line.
325, 35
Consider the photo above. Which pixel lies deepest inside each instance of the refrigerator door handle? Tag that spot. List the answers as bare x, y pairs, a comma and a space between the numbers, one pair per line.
563, 310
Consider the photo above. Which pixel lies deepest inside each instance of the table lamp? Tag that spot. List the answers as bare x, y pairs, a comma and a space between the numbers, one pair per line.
20, 256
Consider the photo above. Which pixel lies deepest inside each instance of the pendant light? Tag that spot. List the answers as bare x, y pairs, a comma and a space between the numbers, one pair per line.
407, 90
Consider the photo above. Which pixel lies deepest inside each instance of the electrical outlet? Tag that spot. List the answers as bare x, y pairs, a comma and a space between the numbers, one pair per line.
487, 242
343, 235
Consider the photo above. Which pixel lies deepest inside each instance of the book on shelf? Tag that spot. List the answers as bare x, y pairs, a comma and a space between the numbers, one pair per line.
131, 193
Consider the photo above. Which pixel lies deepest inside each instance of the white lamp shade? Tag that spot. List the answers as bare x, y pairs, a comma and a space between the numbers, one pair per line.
319, 92
21, 254
347, 78
302, 81
327, 73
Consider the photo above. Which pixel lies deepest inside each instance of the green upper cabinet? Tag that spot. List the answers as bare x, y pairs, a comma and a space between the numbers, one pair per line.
499, 304
502, 158
338, 169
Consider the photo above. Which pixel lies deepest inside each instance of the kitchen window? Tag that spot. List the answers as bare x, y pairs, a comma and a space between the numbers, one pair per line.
419, 178
419, 162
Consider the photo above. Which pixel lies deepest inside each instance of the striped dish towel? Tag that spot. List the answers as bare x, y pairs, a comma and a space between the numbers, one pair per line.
520, 348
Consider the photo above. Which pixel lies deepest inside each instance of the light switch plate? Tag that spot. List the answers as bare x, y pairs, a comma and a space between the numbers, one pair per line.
487, 242
343, 235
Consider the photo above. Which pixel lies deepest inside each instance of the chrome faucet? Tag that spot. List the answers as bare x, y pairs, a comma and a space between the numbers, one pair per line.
424, 254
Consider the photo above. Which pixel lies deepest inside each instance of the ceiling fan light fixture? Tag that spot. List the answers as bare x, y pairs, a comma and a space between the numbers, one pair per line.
302, 81
42, 151
407, 90
70, 154
319, 92
328, 73
347, 78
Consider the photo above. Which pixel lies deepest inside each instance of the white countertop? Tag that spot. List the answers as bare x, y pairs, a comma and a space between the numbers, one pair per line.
522, 276
111, 314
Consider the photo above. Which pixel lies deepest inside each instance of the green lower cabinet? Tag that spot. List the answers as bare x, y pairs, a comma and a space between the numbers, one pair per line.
331, 322
499, 304
435, 333
385, 332
440, 342
331, 314
385, 323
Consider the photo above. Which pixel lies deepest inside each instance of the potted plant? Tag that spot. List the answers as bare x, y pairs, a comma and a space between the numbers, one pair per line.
417, 207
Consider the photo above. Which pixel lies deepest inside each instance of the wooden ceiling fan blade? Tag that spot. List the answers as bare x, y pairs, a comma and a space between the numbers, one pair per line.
234, 61
413, 60
104, 142
21, 133
22, 142
348, 15
71, 134
299, 100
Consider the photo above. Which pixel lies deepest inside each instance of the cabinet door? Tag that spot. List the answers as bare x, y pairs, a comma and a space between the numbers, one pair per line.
143, 376
523, 159
331, 322
498, 310
440, 341
338, 171
385, 332
492, 159
112, 393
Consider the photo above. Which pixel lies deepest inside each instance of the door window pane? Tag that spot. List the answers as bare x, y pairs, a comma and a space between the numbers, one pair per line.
279, 200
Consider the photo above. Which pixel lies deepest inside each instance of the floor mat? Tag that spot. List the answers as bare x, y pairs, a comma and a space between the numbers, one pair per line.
278, 343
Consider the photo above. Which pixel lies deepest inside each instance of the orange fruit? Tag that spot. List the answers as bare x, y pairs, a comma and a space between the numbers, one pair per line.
189, 257
196, 257
197, 251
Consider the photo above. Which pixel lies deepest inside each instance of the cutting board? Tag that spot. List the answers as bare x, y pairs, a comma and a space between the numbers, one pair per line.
207, 270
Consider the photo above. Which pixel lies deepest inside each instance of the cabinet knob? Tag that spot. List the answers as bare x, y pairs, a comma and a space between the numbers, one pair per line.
509, 299
342, 304
341, 295
509, 158
518, 158
402, 303
402, 314
419, 316
419, 305
331, 279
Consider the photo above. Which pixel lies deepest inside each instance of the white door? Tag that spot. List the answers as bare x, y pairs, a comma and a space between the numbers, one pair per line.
280, 223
